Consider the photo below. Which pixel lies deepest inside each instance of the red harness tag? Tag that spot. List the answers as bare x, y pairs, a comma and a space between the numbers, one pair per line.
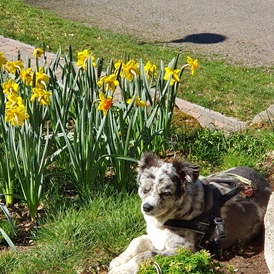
247, 191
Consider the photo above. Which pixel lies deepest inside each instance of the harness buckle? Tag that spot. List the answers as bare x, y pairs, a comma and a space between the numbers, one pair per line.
220, 230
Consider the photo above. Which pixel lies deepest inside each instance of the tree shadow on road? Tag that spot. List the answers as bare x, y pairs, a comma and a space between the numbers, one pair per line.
201, 38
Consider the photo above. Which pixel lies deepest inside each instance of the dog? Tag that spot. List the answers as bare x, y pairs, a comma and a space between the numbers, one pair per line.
182, 209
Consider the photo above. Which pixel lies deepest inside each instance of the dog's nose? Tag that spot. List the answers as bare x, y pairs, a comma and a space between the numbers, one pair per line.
147, 207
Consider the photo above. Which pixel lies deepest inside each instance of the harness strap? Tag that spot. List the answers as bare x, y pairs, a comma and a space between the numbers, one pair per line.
210, 219
216, 222
199, 224
193, 225
225, 197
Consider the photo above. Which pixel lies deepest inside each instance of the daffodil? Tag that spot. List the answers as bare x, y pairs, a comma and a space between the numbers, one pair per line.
130, 69
174, 73
15, 110
193, 64
16, 115
41, 79
26, 76
10, 87
110, 82
150, 69
14, 101
14, 66
38, 52
117, 66
138, 102
41, 95
105, 103
83, 57
3, 59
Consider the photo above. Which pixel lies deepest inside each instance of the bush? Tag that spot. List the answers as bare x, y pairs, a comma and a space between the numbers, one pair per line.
184, 262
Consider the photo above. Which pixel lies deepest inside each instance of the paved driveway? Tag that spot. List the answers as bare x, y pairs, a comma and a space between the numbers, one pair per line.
240, 31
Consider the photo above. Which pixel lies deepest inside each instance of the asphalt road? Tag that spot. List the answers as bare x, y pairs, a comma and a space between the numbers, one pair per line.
241, 31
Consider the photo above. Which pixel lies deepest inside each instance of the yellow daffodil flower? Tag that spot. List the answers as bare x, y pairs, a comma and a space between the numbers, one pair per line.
10, 87
130, 69
26, 76
105, 103
14, 101
37, 52
41, 95
110, 82
3, 59
13, 66
138, 102
41, 79
193, 64
83, 57
15, 110
150, 69
117, 65
16, 115
174, 73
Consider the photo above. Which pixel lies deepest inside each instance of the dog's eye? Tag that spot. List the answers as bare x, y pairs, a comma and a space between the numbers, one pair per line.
146, 190
165, 194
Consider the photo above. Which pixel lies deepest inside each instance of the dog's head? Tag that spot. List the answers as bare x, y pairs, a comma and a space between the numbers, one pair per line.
163, 186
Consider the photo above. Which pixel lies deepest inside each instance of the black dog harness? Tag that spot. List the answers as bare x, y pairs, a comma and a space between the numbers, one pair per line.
210, 220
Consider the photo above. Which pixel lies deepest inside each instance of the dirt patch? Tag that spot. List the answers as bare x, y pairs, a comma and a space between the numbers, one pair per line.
247, 260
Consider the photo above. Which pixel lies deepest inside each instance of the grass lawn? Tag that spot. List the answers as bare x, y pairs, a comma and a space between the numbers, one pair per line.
235, 91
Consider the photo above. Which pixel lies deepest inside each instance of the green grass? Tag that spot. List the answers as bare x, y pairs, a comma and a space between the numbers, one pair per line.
83, 238
75, 236
215, 150
235, 91
184, 262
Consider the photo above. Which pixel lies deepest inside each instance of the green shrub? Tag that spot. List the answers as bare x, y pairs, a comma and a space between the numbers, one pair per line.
183, 262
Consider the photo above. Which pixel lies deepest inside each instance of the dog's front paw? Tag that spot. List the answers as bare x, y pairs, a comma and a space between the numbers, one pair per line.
128, 268
118, 270
118, 261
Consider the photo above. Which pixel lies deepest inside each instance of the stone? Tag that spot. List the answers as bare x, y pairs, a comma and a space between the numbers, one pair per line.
264, 118
269, 235
183, 122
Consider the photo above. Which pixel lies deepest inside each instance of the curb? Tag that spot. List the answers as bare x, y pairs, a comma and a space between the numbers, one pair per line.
210, 118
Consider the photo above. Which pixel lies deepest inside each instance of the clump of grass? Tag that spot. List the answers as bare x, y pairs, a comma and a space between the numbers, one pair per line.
184, 262
73, 239
215, 150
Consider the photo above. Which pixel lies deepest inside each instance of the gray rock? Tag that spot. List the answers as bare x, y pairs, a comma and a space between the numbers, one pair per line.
269, 235
264, 116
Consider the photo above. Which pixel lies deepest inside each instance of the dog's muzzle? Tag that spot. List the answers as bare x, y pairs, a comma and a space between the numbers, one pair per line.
147, 207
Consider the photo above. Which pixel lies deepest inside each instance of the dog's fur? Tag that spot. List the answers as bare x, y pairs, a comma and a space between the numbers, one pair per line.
171, 191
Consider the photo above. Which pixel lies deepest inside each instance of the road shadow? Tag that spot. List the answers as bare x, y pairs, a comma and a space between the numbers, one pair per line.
201, 38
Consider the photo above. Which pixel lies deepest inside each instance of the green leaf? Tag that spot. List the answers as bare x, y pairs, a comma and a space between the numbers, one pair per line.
8, 240
6, 212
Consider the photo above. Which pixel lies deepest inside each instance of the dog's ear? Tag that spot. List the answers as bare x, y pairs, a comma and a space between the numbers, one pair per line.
189, 172
147, 160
